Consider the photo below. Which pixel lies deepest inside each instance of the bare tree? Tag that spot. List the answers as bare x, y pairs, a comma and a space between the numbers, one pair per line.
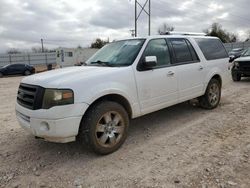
13, 51
165, 28
99, 43
216, 30
79, 47
37, 49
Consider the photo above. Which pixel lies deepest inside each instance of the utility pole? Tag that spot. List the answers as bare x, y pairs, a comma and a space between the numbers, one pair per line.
149, 17
42, 45
135, 18
148, 2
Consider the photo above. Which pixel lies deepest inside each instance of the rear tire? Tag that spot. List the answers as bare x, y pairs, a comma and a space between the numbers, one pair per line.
236, 77
212, 97
27, 73
1, 75
104, 128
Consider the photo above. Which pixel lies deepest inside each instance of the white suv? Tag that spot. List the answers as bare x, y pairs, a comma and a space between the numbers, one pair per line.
124, 80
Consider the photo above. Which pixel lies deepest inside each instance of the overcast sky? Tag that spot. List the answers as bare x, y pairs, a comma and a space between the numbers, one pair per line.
70, 23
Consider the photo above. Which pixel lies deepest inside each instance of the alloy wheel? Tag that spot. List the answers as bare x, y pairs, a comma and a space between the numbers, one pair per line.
214, 93
109, 129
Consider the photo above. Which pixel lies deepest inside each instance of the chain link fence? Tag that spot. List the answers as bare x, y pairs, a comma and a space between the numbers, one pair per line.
30, 58
230, 46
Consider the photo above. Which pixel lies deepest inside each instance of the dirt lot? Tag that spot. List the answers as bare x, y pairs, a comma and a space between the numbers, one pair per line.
181, 146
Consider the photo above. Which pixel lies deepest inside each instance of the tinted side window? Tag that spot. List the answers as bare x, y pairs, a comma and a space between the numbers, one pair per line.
158, 48
11, 66
212, 48
19, 66
181, 50
193, 53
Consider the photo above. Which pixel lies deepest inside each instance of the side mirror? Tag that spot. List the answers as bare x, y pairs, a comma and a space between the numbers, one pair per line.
231, 58
150, 62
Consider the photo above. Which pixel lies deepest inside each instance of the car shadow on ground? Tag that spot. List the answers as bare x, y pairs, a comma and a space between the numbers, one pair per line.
13, 76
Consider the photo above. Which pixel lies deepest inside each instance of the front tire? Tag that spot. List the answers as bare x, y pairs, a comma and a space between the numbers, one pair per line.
104, 127
212, 97
236, 77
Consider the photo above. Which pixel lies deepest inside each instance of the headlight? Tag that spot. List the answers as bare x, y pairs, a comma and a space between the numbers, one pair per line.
57, 97
236, 64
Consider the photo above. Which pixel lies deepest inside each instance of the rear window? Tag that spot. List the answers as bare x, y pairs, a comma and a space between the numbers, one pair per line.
183, 50
212, 48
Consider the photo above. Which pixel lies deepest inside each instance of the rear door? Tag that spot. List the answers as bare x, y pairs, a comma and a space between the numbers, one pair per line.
20, 68
189, 69
157, 88
10, 70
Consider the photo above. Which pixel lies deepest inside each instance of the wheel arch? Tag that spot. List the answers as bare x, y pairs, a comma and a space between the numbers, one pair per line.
114, 98
217, 77
214, 75
108, 97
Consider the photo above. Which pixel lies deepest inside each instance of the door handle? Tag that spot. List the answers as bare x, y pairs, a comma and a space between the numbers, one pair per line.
170, 73
201, 68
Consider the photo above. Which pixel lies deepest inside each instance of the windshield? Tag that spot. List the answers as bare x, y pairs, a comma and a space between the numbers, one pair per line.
116, 54
237, 50
5, 66
246, 53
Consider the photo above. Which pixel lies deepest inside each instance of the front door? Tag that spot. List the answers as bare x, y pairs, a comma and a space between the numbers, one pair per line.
157, 88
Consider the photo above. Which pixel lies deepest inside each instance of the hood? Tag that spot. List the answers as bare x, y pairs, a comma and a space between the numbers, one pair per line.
66, 76
243, 58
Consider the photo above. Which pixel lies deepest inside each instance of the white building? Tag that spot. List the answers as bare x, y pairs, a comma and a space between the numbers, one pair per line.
72, 56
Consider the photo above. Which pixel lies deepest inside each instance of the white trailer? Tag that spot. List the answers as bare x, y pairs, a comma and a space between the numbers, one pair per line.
66, 57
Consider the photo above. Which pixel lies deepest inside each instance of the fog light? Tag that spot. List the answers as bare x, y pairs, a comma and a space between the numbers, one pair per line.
44, 126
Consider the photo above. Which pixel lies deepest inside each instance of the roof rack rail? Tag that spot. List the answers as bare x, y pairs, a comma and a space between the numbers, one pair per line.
185, 33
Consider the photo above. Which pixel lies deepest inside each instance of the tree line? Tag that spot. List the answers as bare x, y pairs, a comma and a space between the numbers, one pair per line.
215, 30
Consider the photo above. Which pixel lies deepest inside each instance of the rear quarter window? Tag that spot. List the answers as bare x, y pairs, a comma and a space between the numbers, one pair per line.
212, 48
181, 50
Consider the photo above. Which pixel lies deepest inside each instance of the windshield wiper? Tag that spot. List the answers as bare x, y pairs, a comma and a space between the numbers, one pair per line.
101, 63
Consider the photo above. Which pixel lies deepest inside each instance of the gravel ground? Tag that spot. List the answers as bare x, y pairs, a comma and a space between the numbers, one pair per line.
181, 146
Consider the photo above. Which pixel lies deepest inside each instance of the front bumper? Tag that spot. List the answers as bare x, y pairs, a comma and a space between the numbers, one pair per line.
242, 72
58, 124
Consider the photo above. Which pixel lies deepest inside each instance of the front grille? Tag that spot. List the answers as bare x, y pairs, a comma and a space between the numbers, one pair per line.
245, 65
30, 96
